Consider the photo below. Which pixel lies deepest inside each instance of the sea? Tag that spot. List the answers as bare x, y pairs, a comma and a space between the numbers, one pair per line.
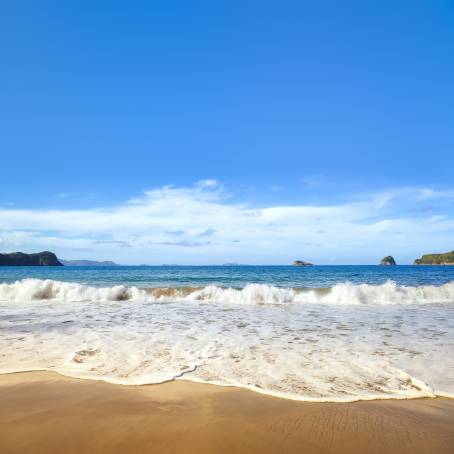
316, 333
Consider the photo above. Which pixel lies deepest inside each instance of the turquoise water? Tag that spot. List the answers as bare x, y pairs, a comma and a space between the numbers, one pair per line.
235, 276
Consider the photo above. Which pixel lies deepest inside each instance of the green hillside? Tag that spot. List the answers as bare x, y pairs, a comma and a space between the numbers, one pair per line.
436, 259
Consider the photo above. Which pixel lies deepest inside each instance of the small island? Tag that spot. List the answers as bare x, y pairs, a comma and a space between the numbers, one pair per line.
44, 258
436, 259
388, 261
302, 263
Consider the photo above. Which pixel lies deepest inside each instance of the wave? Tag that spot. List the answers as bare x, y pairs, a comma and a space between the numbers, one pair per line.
343, 343
37, 289
341, 294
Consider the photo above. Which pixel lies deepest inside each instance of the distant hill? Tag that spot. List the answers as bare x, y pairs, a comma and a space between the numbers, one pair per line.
87, 263
436, 259
44, 258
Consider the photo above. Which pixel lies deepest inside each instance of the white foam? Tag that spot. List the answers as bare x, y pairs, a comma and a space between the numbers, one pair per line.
37, 289
347, 343
342, 294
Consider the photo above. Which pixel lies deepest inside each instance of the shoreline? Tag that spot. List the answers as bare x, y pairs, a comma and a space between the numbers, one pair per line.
250, 388
45, 412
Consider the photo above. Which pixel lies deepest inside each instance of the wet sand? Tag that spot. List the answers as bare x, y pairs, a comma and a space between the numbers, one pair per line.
42, 412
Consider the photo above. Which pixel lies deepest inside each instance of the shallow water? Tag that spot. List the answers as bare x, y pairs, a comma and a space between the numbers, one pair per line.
373, 332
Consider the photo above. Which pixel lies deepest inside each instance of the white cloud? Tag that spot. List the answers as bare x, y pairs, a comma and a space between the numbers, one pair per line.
199, 224
209, 183
429, 193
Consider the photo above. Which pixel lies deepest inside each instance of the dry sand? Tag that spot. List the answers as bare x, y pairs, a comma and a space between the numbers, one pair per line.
43, 412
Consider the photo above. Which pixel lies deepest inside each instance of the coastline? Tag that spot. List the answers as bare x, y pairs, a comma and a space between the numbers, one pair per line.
43, 412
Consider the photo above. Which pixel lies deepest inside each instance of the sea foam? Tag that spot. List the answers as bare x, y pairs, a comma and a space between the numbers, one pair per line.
344, 343
342, 294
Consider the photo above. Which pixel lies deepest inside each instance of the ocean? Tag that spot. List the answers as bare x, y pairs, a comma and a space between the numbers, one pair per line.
321, 333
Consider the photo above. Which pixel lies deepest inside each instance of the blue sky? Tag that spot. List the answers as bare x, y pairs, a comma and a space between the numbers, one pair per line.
263, 119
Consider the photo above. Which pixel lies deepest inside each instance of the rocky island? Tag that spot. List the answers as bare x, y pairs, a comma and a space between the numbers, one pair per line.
388, 261
436, 259
45, 258
302, 263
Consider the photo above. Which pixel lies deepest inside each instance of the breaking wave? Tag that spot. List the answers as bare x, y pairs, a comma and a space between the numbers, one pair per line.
343, 343
341, 294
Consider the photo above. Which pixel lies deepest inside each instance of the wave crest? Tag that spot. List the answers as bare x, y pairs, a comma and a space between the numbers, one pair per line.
37, 289
341, 294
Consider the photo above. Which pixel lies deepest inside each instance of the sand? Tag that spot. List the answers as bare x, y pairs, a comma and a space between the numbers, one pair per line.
42, 412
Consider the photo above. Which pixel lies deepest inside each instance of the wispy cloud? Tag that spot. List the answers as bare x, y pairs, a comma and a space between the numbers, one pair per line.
429, 193
172, 223
209, 183
113, 243
175, 232
207, 232
183, 243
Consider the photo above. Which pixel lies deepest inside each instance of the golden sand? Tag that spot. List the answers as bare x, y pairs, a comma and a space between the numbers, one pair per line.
43, 412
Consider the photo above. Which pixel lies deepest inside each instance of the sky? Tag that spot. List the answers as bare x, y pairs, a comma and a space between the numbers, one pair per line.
201, 132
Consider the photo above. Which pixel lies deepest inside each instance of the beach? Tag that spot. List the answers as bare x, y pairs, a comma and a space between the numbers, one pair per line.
43, 412
227, 228
348, 342
227, 360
